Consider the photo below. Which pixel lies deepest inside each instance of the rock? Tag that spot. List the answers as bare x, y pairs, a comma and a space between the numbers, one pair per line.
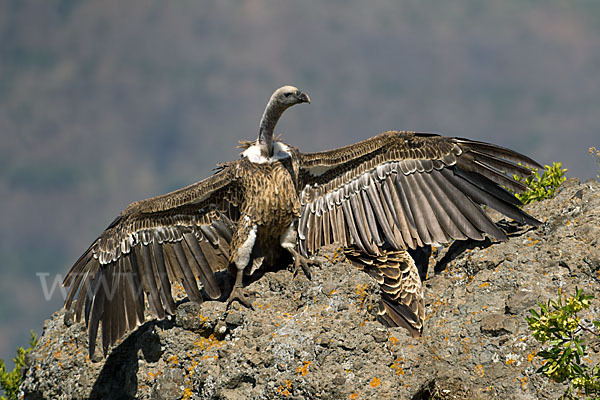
168, 385
319, 338
497, 324
149, 343
521, 300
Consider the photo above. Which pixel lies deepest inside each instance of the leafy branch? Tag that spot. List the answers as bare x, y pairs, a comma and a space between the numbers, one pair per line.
544, 186
558, 325
11, 380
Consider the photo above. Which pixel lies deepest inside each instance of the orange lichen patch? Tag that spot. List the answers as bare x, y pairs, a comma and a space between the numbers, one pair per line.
337, 256
511, 361
375, 382
394, 340
178, 290
523, 381
202, 318
531, 356
353, 396
173, 359
435, 305
285, 390
191, 367
484, 284
479, 370
361, 291
303, 369
187, 393
397, 365
208, 343
152, 376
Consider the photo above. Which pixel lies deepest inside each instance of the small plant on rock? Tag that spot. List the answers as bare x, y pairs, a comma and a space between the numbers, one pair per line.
558, 325
10, 381
542, 187
595, 152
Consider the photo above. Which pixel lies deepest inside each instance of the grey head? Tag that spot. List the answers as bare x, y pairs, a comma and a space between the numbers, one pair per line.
287, 96
281, 100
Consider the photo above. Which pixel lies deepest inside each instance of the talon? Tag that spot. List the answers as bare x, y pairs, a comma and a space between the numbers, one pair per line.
242, 296
301, 262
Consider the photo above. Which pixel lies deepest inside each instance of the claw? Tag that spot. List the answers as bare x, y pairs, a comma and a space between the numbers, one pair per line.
242, 296
301, 262
239, 293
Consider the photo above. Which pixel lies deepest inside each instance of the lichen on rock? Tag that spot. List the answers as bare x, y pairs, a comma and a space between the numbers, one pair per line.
319, 338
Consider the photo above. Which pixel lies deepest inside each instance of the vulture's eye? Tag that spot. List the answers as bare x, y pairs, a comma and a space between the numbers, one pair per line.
287, 94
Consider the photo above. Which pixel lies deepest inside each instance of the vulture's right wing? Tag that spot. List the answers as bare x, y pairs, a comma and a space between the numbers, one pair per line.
181, 237
405, 190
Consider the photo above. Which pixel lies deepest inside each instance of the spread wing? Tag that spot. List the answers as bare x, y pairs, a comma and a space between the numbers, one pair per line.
405, 190
409, 190
182, 237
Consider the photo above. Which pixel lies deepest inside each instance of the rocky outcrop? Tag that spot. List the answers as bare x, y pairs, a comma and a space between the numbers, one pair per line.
319, 338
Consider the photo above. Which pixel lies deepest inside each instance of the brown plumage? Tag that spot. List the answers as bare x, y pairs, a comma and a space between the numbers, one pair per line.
377, 198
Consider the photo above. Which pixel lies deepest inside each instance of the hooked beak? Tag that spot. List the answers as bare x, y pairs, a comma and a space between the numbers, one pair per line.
304, 98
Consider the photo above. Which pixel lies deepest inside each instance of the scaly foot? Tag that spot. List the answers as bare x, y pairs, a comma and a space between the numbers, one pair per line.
301, 262
243, 296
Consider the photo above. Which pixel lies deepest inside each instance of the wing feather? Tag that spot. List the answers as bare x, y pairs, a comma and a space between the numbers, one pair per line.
182, 237
412, 200
407, 190
402, 293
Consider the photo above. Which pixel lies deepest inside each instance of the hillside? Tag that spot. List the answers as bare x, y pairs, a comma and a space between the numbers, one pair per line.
318, 339
105, 103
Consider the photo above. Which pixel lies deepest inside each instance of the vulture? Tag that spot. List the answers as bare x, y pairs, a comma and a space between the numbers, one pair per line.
381, 200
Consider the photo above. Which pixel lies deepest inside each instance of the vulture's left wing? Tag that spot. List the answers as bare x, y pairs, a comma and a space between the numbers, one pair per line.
402, 190
181, 237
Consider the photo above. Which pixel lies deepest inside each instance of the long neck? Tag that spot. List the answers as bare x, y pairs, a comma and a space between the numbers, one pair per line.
268, 121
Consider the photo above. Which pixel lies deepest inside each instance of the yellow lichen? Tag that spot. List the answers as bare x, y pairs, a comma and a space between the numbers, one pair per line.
303, 369
375, 382
285, 390
479, 370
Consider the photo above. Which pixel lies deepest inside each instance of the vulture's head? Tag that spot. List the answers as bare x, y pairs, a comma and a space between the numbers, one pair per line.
287, 96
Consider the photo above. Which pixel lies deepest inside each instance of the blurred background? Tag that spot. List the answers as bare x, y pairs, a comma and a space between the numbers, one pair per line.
104, 103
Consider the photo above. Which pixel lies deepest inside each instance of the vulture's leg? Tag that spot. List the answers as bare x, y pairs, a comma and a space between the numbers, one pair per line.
239, 293
301, 262
288, 242
242, 244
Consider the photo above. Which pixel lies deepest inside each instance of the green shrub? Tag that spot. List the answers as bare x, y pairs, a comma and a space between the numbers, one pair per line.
557, 324
595, 152
10, 381
542, 187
